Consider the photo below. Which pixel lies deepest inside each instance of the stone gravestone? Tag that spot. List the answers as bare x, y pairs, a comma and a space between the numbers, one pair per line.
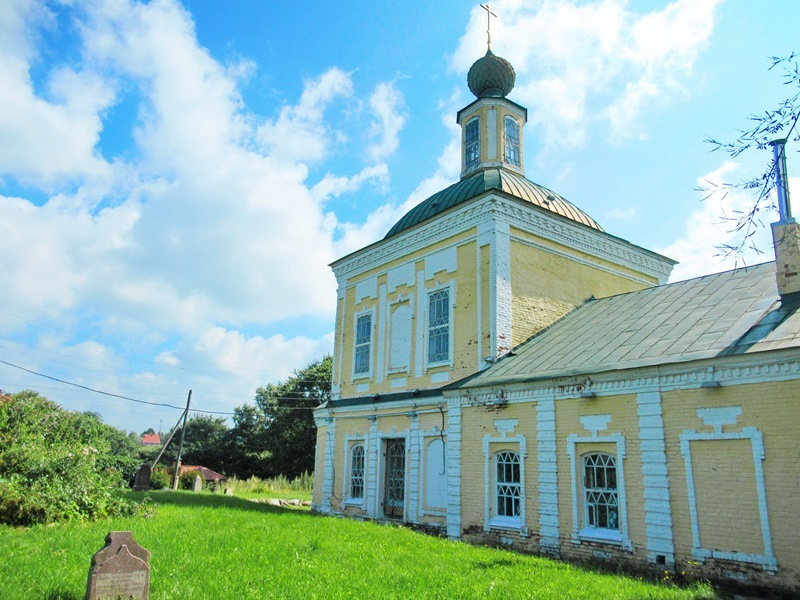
198, 484
142, 483
120, 569
228, 491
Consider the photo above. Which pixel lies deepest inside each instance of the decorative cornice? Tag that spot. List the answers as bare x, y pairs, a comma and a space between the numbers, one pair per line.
515, 213
708, 373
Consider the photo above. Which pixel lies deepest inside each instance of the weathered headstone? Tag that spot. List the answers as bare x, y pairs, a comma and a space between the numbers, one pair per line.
228, 491
197, 486
142, 482
121, 569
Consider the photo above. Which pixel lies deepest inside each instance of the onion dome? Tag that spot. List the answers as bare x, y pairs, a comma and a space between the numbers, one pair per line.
491, 76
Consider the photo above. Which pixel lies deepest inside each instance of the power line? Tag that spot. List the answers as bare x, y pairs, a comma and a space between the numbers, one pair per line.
128, 398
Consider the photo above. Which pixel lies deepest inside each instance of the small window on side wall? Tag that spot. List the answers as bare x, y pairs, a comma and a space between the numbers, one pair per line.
363, 343
357, 472
439, 326
472, 144
508, 484
512, 155
600, 492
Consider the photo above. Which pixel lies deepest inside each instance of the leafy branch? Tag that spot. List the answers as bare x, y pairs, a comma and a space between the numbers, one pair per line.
772, 124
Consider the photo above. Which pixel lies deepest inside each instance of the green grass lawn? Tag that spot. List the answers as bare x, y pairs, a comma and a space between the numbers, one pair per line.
212, 546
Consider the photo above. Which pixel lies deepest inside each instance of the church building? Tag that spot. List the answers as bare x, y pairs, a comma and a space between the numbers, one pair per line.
507, 372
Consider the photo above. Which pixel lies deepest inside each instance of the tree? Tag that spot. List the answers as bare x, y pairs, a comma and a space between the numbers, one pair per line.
247, 455
780, 122
290, 433
148, 431
203, 444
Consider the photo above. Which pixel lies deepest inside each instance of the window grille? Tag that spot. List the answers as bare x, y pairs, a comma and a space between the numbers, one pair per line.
363, 339
472, 150
357, 472
439, 326
600, 487
512, 141
509, 488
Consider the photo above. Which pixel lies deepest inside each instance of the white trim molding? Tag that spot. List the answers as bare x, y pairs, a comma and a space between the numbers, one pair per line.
717, 419
506, 428
580, 531
328, 468
350, 442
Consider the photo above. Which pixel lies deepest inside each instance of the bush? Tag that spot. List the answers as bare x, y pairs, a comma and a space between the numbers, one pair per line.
56, 465
186, 480
159, 479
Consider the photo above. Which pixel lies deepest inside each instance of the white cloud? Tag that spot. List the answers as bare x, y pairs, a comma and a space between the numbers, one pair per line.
582, 63
300, 132
706, 229
388, 106
621, 214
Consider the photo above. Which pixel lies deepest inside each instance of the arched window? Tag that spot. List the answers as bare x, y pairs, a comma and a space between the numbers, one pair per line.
357, 472
472, 143
508, 484
512, 141
600, 491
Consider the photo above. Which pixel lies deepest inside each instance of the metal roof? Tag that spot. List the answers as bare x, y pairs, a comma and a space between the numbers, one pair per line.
732, 313
484, 181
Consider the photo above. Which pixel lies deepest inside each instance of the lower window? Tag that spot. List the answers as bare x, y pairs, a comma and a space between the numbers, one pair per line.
600, 490
508, 484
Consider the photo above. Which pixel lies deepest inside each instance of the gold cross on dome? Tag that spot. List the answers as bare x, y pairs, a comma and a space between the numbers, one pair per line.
489, 14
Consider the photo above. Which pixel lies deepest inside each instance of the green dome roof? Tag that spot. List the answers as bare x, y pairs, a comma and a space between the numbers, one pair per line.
491, 76
483, 181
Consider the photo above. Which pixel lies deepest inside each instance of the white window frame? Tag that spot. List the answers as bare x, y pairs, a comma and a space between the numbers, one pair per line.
350, 444
581, 531
450, 289
516, 147
587, 512
368, 373
491, 519
467, 164
767, 560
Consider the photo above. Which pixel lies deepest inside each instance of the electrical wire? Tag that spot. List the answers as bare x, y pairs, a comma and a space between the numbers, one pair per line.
128, 398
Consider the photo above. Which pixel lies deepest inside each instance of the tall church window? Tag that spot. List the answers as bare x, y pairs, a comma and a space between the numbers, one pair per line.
512, 141
439, 326
363, 343
508, 484
600, 489
472, 143
357, 472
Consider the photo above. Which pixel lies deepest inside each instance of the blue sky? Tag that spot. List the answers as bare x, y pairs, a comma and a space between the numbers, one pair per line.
176, 176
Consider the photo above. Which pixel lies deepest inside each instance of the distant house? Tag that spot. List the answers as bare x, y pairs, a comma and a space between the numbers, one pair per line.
208, 475
151, 439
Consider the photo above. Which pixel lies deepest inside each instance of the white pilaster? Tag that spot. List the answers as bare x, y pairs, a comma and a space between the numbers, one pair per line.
453, 452
328, 470
657, 506
548, 475
372, 467
414, 459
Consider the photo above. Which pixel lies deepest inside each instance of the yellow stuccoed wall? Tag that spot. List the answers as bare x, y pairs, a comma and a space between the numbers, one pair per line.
464, 321
545, 286
624, 420
726, 496
477, 422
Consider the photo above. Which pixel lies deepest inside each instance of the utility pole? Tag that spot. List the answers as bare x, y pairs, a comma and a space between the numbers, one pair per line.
180, 446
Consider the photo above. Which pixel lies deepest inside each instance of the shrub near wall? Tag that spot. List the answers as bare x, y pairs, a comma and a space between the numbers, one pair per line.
56, 465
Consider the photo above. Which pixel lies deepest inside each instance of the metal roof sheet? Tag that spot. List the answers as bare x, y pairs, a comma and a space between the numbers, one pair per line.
731, 313
491, 179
